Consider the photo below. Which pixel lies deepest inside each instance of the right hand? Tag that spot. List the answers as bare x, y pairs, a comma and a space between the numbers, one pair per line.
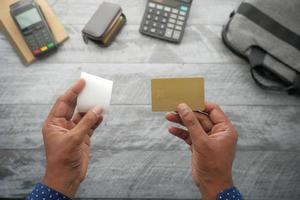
67, 138
212, 139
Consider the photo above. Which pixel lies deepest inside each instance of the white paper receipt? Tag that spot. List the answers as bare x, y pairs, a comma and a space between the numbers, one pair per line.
97, 92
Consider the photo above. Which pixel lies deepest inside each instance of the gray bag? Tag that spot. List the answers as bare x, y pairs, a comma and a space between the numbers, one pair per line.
267, 34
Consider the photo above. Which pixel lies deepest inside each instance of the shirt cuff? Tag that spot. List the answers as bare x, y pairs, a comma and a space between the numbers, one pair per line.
43, 192
230, 194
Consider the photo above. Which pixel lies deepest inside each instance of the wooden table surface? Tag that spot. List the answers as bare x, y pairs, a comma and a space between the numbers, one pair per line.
132, 154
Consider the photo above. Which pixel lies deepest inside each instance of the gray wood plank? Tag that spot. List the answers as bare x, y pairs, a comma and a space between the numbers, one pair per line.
203, 12
137, 128
201, 44
226, 84
156, 174
133, 156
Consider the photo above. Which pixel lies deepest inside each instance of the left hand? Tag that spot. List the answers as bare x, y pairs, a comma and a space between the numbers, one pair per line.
212, 139
67, 142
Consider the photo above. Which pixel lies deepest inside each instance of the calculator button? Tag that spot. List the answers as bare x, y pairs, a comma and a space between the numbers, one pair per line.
152, 5
182, 13
44, 48
160, 7
158, 12
173, 16
164, 20
151, 10
168, 9
145, 28
166, 14
154, 24
162, 26
178, 28
50, 45
176, 35
181, 18
156, 18
148, 16
147, 22
152, 30
175, 11
180, 23
161, 32
184, 8
173, 21
169, 33
170, 25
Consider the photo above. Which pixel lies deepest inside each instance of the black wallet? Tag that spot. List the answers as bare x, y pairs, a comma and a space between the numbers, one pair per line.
105, 24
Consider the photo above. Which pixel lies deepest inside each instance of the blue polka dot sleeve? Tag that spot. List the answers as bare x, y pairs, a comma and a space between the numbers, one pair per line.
230, 194
42, 192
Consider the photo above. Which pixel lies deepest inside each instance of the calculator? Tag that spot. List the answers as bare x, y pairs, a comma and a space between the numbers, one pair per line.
166, 19
33, 26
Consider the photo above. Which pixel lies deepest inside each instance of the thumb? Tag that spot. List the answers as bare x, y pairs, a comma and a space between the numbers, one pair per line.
89, 121
191, 122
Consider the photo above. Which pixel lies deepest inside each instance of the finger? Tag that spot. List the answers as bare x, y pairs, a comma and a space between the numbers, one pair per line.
191, 123
88, 122
65, 105
202, 118
77, 117
182, 134
173, 117
87, 140
215, 113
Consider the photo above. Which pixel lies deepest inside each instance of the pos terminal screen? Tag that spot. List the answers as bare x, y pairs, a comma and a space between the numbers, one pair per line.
28, 18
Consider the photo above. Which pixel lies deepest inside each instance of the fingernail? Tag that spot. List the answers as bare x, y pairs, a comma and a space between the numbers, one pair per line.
182, 107
98, 110
168, 113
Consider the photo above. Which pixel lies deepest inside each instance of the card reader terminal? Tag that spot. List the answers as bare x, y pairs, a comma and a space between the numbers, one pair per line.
33, 26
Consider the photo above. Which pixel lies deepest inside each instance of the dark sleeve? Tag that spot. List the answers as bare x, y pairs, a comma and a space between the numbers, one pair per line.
230, 194
43, 192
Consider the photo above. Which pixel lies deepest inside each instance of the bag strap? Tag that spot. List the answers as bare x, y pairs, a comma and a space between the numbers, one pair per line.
85, 38
259, 70
269, 24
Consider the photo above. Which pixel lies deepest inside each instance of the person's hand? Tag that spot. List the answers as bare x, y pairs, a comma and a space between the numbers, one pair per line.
212, 139
67, 140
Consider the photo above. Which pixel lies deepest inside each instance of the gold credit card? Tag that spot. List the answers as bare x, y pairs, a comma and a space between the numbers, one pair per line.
168, 93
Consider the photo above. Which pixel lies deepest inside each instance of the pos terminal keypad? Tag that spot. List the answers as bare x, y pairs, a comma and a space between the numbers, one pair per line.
166, 19
39, 41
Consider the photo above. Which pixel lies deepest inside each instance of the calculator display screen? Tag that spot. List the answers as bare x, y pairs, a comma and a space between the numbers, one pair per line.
28, 18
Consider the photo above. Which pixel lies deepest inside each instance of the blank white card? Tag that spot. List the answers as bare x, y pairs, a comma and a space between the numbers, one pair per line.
97, 92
